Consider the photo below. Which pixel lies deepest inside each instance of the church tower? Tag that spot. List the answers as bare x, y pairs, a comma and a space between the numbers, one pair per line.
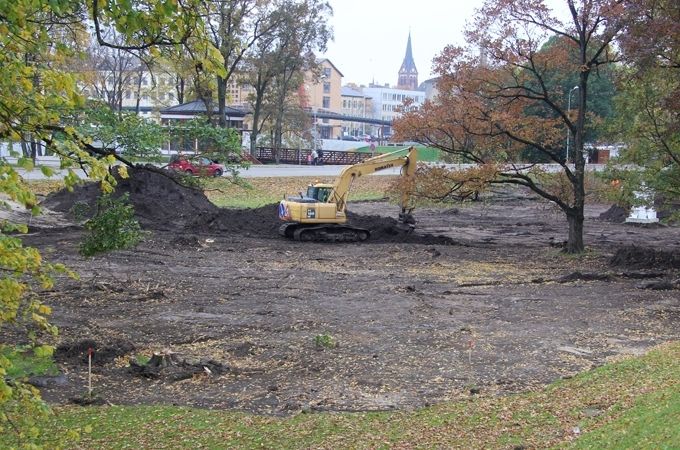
408, 74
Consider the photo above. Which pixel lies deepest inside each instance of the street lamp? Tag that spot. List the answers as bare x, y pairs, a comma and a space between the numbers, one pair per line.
315, 136
315, 130
568, 110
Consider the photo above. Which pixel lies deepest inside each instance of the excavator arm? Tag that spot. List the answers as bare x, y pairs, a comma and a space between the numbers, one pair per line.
385, 161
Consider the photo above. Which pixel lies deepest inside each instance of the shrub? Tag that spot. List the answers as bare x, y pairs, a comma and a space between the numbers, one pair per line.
325, 341
113, 226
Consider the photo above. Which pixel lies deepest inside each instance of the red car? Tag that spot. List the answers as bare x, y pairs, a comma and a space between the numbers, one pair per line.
199, 165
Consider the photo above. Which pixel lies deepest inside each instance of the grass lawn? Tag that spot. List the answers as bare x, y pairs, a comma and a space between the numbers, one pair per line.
632, 403
262, 191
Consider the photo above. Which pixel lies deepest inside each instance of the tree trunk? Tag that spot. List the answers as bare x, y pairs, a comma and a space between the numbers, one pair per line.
260, 88
30, 147
222, 101
253, 133
179, 88
575, 240
575, 215
35, 150
25, 149
278, 122
278, 132
140, 74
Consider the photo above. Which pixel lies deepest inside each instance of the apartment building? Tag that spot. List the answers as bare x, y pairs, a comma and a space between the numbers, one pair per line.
388, 102
322, 94
355, 104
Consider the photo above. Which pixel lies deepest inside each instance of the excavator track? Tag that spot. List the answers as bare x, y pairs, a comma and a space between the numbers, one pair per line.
323, 233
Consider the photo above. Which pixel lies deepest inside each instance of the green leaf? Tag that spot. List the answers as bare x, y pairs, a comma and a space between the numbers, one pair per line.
43, 351
47, 171
25, 163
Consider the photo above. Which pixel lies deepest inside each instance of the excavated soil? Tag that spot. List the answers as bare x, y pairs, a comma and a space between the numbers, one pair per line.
162, 204
480, 300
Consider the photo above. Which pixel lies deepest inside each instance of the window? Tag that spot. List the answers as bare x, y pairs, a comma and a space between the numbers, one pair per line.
326, 102
327, 72
326, 87
128, 94
145, 82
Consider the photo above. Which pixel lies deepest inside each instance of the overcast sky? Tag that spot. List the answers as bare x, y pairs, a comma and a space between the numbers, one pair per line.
370, 35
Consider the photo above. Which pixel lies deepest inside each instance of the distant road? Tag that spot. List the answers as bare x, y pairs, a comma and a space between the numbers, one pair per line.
284, 170
254, 171
281, 170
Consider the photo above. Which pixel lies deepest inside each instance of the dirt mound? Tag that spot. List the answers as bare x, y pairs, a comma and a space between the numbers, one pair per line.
645, 258
102, 353
385, 229
615, 214
261, 221
162, 203
173, 368
264, 222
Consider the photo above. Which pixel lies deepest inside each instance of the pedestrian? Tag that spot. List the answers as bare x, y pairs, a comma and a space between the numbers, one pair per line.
309, 159
315, 157
320, 155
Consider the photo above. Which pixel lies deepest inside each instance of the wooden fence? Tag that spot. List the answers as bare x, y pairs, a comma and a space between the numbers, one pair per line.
301, 156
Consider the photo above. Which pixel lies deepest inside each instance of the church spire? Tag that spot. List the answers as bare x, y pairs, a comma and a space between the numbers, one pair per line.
408, 74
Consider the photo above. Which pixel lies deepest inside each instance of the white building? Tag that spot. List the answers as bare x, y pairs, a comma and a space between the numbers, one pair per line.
355, 104
388, 102
429, 87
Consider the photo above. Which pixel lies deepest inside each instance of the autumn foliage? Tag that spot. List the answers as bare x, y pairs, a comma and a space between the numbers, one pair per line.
504, 104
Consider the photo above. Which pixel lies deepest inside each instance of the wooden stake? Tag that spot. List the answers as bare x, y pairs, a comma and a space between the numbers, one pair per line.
89, 371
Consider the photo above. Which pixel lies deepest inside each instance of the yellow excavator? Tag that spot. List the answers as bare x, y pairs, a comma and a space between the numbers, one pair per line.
320, 215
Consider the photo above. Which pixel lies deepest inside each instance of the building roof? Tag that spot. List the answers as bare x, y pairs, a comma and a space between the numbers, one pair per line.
430, 82
351, 92
408, 65
332, 65
197, 107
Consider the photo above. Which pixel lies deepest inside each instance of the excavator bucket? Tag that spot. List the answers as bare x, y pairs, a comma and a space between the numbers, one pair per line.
406, 222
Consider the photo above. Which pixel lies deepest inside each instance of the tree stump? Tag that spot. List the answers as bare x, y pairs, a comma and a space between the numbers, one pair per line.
163, 359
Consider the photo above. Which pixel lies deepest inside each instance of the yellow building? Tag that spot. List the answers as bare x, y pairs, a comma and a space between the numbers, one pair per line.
323, 95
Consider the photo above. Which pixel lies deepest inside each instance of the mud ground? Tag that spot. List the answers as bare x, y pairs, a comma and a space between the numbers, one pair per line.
479, 301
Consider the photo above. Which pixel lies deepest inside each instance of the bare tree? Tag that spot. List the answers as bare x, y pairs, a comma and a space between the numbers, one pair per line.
232, 28
276, 66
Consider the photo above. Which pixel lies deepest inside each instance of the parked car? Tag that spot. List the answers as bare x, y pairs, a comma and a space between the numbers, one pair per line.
198, 165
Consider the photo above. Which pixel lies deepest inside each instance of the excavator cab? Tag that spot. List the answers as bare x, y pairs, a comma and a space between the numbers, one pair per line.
319, 192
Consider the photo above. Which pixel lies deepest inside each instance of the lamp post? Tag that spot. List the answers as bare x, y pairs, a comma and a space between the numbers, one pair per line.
315, 131
322, 78
568, 110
